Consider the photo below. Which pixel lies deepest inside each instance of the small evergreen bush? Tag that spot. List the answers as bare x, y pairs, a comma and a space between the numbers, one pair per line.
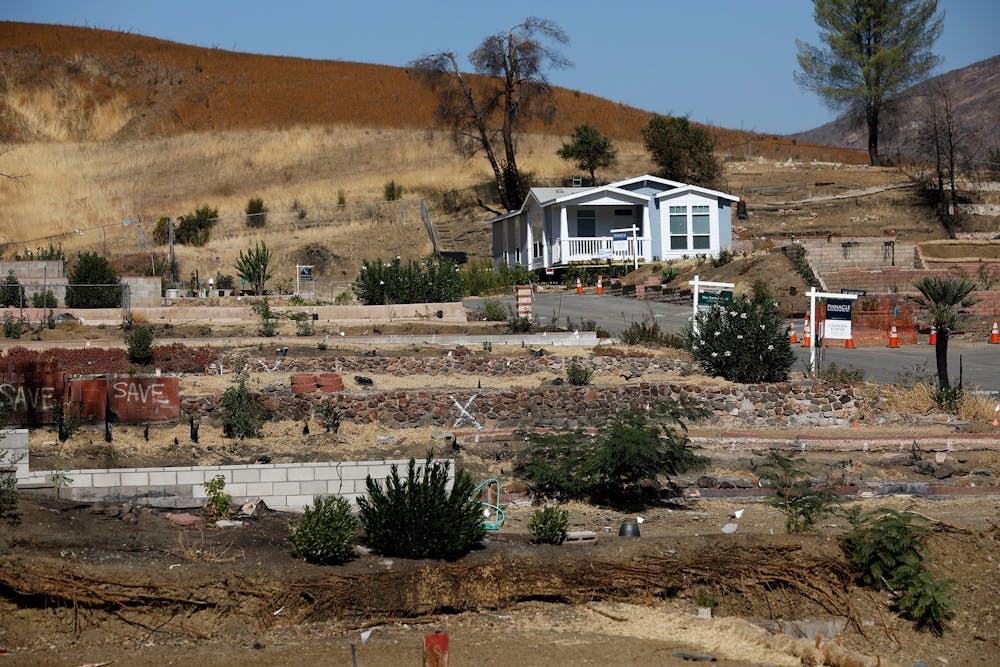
219, 502
746, 341
482, 278
11, 291
44, 299
417, 517
887, 549
241, 416
140, 345
801, 504
548, 525
428, 281
93, 284
329, 416
578, 375
195, 228
393, 191
632, 447
12, 327
325, 532
518, 324
493, 311
256, 213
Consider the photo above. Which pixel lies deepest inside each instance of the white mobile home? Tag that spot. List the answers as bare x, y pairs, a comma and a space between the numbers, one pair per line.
561, 226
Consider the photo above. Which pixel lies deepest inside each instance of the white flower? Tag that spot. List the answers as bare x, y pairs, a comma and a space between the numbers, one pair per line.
762, 327
727, 353
733, 313
718, 333
743, 316
381, 282
715, 354
770, 347
739, 336
694, 347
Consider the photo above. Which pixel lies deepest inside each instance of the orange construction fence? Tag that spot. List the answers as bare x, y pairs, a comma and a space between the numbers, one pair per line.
871, 320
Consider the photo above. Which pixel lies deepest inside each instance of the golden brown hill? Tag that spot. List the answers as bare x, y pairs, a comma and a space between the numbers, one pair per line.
70, 83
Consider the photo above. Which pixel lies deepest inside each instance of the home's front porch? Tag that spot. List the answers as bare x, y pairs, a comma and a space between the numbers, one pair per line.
584, 249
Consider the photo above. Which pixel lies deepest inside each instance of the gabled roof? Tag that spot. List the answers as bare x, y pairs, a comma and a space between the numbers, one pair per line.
549, 196
699, 190
647, 177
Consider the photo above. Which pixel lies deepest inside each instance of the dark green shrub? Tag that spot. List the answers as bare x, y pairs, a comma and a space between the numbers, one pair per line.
548, 525
224, 281
393, 191
219, 501
195, 228
493, 311
140, 345
341, 198
668, 274
949, 399
299, 210
329, 416
578, 375
428, 281
746, 341
831, 372
256, 213
482, 278
648, 332
801, 504
12, 327
268, 318
724, 257
418, 517
324, 533
8, 483
796, 254
632, 447
241, 416
161, 232
11, 292
887, 549
44, 299
518, 324
93, 284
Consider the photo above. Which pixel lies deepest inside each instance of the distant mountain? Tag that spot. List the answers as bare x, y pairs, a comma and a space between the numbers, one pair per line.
975, 93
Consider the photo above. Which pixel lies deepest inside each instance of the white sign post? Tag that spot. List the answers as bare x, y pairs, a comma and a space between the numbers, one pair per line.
635, 243
696, 284
813, 295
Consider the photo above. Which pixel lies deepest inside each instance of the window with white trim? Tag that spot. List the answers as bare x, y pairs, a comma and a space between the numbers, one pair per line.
701, 228
678, 228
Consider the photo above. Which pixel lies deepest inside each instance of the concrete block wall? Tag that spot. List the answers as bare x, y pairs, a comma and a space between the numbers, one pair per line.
865, 252
287, 486
144, 291
15, 441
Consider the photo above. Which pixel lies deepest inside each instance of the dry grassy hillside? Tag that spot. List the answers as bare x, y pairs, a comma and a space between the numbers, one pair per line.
109, 126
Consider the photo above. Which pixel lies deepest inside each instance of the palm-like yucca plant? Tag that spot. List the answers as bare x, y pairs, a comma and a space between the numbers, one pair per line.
944, 299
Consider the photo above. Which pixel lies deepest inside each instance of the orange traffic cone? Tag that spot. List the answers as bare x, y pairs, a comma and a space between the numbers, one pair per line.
579, 286
792, 338
995, 334
806, 334
600, 285
933, 340
893, 337
849, 345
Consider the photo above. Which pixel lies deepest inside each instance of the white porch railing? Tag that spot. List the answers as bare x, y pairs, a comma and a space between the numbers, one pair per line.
582, 249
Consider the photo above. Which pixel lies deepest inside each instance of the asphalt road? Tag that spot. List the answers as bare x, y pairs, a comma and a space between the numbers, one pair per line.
980, 362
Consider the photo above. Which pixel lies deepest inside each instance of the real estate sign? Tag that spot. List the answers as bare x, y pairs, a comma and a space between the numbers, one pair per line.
838, 319
708, 299
619, 243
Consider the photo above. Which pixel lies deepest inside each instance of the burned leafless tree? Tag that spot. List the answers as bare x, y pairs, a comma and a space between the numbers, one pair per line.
485, 113
944, 143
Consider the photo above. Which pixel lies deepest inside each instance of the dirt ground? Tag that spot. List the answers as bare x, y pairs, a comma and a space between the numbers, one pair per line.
86, 584
83, 583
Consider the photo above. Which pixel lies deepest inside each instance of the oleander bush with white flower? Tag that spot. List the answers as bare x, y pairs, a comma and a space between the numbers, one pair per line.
746, 341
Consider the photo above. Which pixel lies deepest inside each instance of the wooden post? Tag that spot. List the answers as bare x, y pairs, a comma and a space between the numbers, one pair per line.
436, 650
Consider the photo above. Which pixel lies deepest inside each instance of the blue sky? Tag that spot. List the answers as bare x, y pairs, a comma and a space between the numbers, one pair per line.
725, 62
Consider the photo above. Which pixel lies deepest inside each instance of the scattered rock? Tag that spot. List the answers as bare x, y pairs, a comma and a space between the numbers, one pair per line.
706, 482
386, 439
185, 520
943, 471
253, 509
363, 381
730, 528
228, 523
923, 467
